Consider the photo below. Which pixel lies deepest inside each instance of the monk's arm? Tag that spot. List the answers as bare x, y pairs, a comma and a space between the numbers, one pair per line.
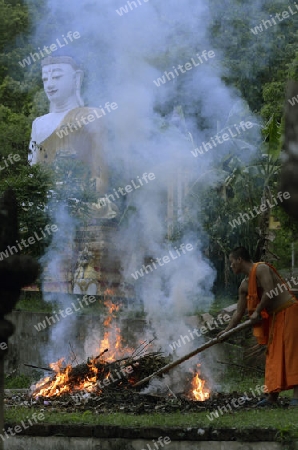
241, 307
265, 279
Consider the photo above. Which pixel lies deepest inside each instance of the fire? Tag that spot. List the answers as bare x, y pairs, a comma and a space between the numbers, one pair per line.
112, 338
49, 388
198, 392
110, 345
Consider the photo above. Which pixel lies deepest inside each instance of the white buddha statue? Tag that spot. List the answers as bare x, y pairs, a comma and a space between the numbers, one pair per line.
70, 129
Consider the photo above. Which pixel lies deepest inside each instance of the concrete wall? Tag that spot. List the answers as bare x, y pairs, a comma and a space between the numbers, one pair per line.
65, 443
29, 346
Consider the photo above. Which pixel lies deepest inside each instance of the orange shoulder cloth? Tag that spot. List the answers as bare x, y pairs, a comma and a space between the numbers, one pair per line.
260, 330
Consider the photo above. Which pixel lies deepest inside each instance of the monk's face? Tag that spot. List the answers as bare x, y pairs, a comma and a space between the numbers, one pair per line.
59, 82
235, 264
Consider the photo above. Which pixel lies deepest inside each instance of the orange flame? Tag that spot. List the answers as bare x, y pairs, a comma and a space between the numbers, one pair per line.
49, 387
198, 392
112, 338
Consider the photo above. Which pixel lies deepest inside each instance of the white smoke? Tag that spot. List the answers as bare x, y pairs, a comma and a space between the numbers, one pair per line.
122, 56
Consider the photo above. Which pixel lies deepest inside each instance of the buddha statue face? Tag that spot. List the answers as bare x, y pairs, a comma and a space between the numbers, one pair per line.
59, 81
62, 81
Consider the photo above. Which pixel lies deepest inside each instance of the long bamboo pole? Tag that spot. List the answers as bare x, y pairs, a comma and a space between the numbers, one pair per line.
207, 344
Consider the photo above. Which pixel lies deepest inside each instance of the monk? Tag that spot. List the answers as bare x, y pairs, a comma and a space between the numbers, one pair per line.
273, 311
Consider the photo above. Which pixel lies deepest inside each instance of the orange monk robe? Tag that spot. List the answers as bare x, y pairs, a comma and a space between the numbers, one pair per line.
280, 332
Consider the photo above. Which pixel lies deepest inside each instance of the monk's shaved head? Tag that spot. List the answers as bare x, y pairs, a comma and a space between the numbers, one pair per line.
240, 252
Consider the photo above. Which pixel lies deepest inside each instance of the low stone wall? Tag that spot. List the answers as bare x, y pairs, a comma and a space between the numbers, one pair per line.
80, 437
59, 443
29, 346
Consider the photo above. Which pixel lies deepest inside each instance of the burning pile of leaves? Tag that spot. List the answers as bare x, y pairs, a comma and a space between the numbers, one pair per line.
130, 400
106, 383
98, 375
108, 386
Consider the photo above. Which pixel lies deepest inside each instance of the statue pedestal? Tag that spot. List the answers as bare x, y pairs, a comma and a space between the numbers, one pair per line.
91, 267
105, 267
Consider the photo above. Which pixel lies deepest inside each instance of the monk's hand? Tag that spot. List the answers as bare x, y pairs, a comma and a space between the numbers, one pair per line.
255, 318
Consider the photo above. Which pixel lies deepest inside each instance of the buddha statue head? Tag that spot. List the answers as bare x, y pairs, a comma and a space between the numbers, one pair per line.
62, 80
